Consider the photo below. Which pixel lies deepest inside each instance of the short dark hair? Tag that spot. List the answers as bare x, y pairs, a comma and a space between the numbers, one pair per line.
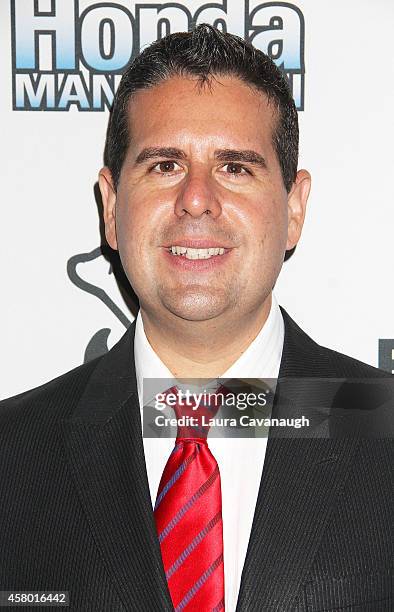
205, 52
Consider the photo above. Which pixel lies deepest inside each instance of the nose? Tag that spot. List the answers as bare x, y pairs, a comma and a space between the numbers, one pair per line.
197, 196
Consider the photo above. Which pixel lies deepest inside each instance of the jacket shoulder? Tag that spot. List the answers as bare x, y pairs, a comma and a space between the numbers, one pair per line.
353, 367
54, 399
308, 358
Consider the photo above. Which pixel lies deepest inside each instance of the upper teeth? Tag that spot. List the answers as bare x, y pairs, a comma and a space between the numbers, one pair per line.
196, 253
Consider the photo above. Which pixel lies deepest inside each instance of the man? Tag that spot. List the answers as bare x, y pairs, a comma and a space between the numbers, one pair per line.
202, 198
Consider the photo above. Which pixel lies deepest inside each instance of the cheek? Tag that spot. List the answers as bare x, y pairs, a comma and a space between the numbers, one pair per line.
266, 224
141, 214
129, 237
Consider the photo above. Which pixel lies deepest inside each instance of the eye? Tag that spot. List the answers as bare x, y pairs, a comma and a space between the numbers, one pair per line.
236, 170
164, 167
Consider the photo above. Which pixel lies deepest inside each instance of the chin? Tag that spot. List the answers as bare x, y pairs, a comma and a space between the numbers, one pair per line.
195, 307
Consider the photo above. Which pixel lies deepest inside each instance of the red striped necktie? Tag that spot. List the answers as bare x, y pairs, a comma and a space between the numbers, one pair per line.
188, 516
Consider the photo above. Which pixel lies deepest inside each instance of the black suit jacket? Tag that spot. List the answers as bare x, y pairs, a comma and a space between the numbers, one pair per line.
76, 515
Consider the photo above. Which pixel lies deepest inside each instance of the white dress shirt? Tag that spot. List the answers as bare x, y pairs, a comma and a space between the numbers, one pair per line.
240, 460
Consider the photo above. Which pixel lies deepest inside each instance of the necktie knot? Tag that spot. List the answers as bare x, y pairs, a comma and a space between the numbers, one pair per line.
195, 411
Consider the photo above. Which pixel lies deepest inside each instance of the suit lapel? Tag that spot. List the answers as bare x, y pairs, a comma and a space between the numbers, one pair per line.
104, 447
300, 483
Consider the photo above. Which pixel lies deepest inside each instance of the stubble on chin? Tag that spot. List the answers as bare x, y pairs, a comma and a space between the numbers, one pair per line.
196, 303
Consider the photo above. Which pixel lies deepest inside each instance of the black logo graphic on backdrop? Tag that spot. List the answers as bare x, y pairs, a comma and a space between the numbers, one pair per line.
71, 53
100, 274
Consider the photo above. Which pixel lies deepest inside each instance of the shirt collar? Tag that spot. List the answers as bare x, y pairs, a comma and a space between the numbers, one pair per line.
260, 360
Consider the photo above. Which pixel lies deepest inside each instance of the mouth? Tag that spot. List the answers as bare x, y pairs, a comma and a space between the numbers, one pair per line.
197, 248
193, 253
197, 254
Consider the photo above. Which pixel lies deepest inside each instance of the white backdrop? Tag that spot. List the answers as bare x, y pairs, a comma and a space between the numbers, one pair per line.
338, 284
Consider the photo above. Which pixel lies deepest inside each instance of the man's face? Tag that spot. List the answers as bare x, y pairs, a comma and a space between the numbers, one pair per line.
201, 173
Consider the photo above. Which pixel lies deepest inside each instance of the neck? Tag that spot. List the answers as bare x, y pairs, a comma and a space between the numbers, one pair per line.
202, 349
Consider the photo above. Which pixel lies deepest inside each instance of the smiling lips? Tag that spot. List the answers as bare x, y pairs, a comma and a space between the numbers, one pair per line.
200, 253
193, 248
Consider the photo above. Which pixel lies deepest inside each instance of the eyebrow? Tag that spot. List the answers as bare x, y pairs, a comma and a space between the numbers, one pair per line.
227, 155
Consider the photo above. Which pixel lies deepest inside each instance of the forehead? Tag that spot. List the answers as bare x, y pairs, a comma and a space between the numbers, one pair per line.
227, 113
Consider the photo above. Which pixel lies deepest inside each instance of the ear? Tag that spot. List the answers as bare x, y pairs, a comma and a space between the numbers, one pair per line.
296, 206
108, 196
